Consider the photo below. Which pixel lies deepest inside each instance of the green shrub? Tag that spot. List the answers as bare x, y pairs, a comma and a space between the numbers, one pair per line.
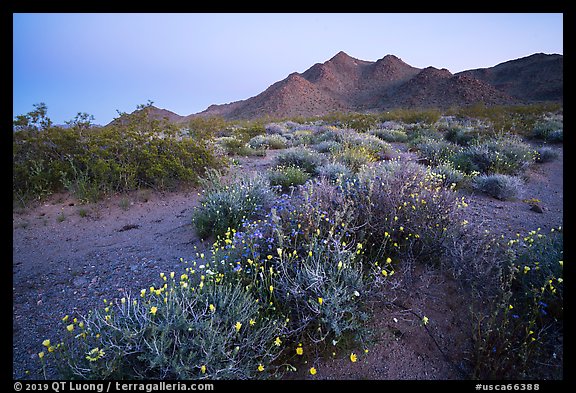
287, 177
390, 135
354, 157
231, 144
224, 207
301, 157
503, 187
133, 152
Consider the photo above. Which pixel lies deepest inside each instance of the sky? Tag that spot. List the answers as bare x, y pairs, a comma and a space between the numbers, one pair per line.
101, 63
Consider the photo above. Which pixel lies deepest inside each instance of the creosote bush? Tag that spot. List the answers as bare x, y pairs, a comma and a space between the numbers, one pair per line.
131, 153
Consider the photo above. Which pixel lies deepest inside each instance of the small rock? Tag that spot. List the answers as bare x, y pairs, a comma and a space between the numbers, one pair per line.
536, 208
79, 281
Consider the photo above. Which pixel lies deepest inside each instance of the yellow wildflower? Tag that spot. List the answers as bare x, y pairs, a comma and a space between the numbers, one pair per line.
260, 367
299, 351
252, 322
238, 325
95, 354
277, 342
353, 357
70, 327
153, 310
203, 369
313, 370
212, 308
46, 343
41, 355
320, 300
425, 320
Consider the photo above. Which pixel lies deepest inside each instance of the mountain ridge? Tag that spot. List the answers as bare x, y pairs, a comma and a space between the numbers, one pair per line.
347, 84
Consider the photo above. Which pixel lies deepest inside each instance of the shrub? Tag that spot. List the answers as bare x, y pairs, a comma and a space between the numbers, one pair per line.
503, 187
556, 136
268, 142
301, 269
133, 152
334, 171
460, 136
390, 135
404, 209
434, 149
327, 146
226, 206
545, 154
517, 337
275, 128
548, 130
355, 158
182, 330
287, 177
450, 175
503, 154
322, 291
301, 157
369, 143
231, 144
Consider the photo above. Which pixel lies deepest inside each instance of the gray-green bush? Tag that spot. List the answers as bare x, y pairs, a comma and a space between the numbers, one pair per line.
499, 186
301, 157
225, 206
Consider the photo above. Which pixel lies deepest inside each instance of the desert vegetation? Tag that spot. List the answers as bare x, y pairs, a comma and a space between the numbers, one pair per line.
294, 257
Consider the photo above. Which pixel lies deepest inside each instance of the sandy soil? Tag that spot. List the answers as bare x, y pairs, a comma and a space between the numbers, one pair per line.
68, 257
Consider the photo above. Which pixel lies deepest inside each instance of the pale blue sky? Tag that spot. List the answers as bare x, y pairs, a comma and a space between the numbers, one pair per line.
100, 63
